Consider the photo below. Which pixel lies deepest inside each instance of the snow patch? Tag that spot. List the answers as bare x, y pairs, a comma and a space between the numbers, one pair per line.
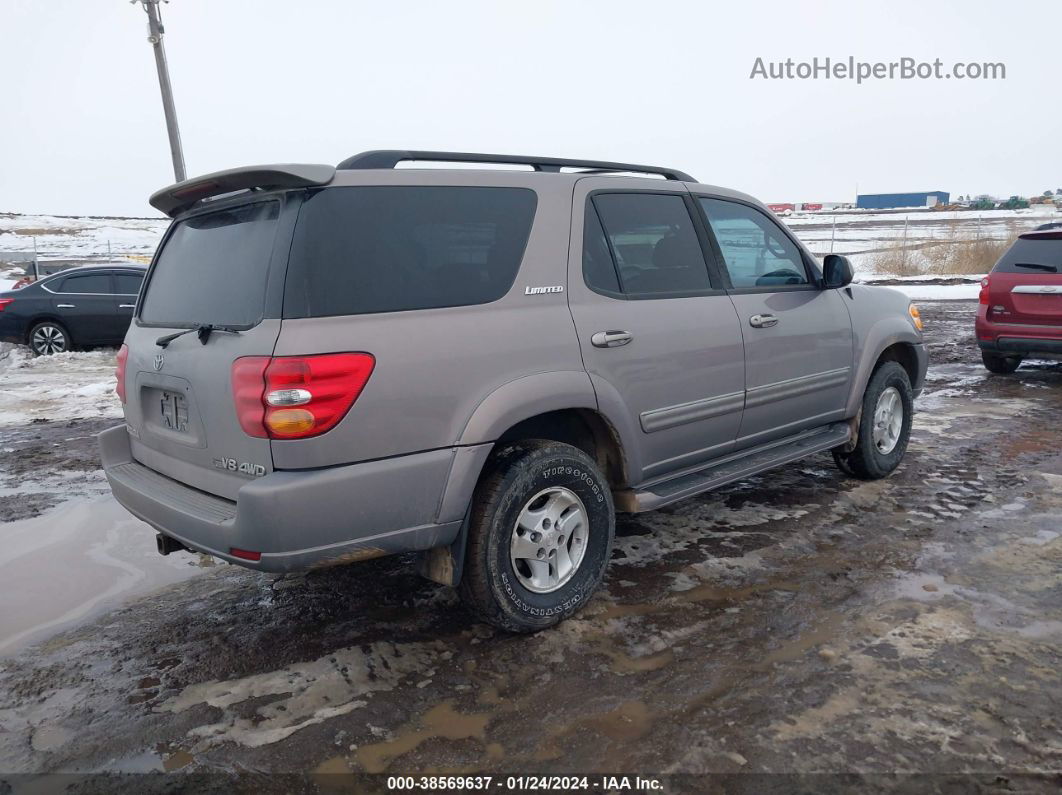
307, 693
64, 386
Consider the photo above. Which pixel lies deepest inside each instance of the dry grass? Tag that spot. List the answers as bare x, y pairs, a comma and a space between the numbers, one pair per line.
896, 261
952, 256
966, 256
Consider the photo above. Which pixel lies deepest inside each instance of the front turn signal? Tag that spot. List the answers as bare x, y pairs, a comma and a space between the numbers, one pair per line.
916, 316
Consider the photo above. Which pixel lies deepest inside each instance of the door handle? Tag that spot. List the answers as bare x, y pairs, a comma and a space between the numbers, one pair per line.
611, 339
126, 306
64, 306
763, 321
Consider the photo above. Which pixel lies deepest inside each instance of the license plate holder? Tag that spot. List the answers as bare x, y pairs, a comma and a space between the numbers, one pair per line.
173, 407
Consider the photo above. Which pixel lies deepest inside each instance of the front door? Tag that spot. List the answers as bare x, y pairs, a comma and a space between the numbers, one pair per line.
798, 336
661, 342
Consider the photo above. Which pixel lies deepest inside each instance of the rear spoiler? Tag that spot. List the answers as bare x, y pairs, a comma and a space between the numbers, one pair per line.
179, 197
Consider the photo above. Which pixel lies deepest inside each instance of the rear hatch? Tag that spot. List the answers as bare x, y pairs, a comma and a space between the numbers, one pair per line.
222, 267
1025, 287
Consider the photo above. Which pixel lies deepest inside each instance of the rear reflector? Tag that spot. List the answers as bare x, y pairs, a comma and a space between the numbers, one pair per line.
245, 554
119, 372
266, 391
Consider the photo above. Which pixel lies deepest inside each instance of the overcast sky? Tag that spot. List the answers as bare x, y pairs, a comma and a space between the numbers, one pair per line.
653, 81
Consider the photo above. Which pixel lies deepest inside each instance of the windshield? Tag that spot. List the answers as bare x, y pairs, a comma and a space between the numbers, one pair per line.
212, 269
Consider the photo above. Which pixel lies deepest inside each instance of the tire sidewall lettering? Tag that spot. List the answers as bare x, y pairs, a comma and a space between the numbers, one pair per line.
588, 485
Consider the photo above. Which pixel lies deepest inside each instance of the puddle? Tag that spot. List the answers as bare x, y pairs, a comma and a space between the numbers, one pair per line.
74, 563
629, 721
440, 721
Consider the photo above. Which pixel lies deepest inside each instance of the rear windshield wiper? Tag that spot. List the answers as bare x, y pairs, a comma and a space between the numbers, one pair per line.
1037, 266
203, 331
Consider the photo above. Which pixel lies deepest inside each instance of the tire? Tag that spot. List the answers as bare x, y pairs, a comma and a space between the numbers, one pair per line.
523, 500
876, 454
48, 337
1003, 365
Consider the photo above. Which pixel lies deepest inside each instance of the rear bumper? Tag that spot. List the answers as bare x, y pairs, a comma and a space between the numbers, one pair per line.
1026, 346
1010, 339
12, 329
302, 519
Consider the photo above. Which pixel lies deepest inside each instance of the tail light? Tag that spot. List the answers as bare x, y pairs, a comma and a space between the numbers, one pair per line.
295, 397
982, 297
119, 372
4, 302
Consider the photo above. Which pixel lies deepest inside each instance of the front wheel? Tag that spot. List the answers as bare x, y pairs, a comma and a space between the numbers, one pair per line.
884, 425
540, 535
1003, 365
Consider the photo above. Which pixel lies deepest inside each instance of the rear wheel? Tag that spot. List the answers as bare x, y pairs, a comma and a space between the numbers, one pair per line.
540, 536
49, 337
884, 425
995, 363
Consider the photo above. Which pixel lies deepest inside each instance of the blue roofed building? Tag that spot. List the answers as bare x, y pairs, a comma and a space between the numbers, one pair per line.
891, 201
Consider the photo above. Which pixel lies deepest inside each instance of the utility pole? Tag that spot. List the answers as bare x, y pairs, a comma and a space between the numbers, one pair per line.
155, 32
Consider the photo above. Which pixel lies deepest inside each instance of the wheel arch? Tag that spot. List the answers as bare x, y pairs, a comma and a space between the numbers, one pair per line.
46, 317
893, 340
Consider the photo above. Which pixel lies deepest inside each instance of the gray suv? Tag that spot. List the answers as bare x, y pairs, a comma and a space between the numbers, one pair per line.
482, 365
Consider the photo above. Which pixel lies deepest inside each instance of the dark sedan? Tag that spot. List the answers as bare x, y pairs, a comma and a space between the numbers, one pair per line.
81, 307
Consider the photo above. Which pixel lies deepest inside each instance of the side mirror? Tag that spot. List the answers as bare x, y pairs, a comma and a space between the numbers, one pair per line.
837, 271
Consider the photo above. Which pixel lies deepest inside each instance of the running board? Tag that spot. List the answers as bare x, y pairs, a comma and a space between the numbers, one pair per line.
733, 467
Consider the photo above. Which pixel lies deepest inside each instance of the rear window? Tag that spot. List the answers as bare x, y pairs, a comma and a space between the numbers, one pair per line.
213, 269
1032, 256
362, 250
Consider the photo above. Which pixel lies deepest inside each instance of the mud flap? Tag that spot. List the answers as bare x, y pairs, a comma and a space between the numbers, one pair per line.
853, 434
445, 565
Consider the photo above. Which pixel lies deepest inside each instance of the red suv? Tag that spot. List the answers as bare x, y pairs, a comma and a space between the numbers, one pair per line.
1020, 312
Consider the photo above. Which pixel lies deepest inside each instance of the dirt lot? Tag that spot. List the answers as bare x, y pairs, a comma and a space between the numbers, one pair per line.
905, 632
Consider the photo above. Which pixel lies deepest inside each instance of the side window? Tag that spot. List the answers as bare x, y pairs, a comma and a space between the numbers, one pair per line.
87, 283
653, 241
360, 250
128, 283
755, 251
599, 270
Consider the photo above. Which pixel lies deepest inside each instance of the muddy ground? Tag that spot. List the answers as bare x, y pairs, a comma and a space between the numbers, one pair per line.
905, 632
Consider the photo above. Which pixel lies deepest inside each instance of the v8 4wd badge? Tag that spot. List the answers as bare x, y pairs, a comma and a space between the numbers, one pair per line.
232, 465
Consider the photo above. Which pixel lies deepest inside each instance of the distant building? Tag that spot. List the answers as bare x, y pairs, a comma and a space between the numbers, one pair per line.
890, 201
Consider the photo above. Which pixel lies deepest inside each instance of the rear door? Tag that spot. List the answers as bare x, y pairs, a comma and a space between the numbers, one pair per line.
127, 286
798, 337
1025, 287
85, 304
660, 341
222, 267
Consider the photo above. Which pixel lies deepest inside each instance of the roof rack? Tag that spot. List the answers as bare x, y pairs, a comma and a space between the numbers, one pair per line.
389, 158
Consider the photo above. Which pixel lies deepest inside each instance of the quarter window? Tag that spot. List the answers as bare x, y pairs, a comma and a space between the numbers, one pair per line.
87, 283
599, 270
653, 243
361, 250
756, 252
